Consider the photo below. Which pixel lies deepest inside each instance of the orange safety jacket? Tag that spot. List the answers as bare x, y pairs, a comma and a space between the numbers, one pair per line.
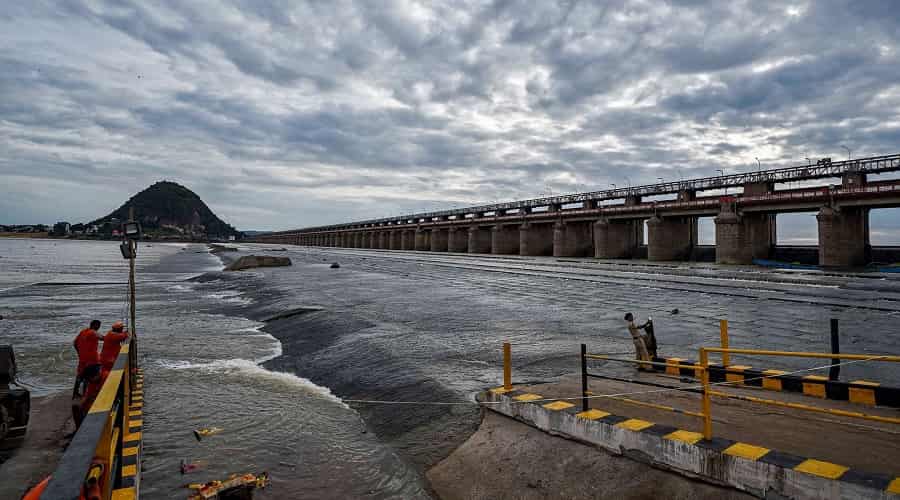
112, 342
86, 344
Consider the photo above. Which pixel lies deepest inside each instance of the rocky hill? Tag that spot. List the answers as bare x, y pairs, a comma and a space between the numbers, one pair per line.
170, 210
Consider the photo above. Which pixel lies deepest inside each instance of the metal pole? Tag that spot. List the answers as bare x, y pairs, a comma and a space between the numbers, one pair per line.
835, 371
723, 336
132, 352
704, 377
507, 367
584, 379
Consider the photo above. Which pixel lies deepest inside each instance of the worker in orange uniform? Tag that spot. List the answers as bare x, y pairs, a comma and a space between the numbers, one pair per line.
86, 344
112, 342
84, 395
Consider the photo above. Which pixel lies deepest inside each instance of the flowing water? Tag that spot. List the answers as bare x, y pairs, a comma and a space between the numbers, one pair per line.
202, 368
268, 354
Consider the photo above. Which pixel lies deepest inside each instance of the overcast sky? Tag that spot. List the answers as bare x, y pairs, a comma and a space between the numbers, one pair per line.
284, 114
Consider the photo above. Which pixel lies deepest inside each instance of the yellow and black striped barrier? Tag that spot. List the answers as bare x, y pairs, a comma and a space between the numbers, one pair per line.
104, 455
857, 391
717, 445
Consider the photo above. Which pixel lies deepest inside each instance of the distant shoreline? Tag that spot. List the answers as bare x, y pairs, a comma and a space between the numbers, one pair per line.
47, 236
26, 235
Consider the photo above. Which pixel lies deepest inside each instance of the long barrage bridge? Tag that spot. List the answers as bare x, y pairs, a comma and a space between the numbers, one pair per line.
586, 224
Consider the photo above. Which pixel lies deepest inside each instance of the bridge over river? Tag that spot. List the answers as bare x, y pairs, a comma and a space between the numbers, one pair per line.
610, 224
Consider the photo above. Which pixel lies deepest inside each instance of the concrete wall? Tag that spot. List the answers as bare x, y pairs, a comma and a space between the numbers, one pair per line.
771, 475
536, 239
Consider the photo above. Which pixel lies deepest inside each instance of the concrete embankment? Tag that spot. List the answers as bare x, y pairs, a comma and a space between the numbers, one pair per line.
758, 449
507, 459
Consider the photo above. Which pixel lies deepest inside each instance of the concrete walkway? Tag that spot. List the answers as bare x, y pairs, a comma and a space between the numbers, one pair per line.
37, 455
859, 444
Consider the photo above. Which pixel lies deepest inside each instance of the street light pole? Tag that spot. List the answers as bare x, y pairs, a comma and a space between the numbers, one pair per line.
759, 164
848, 151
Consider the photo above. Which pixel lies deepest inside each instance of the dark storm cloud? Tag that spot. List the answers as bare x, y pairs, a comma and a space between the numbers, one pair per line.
284, 114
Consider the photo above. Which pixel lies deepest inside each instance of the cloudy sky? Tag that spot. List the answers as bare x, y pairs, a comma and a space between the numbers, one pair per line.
283, 113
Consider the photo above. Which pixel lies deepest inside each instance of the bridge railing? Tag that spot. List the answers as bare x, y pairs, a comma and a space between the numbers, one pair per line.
822, 169
94, 460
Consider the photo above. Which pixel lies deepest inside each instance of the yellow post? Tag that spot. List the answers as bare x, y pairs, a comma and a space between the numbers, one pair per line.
704, 377
507, 367
723, 335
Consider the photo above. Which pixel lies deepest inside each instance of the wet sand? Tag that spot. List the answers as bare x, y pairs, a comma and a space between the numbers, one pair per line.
37, 455
507, 459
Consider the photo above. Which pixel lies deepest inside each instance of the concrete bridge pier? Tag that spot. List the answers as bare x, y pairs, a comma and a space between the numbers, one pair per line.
393, 240
535, 239
843, 236
407, 239
457, 240
505, 240
741, 238
383, 242
671, 238
422, 244
572, 239
479, 239
439, 240
617, 239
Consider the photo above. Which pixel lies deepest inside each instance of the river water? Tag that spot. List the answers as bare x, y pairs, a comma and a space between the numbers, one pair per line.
269, 354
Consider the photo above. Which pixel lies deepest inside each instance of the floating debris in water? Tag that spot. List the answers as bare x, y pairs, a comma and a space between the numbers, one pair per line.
335, 265
188, 467
675, 311
202, 433
236, 486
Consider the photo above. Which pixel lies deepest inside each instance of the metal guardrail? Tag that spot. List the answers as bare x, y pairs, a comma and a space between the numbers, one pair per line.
702, 370
98, 442
824, 168
708, 392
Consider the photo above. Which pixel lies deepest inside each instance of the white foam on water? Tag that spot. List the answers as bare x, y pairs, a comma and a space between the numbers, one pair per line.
276, 348
252, 369
229, 296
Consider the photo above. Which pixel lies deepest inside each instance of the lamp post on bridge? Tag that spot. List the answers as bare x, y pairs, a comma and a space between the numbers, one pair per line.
758, 164
848, 151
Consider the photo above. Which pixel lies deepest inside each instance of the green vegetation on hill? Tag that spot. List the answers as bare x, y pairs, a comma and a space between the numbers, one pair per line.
168, 209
